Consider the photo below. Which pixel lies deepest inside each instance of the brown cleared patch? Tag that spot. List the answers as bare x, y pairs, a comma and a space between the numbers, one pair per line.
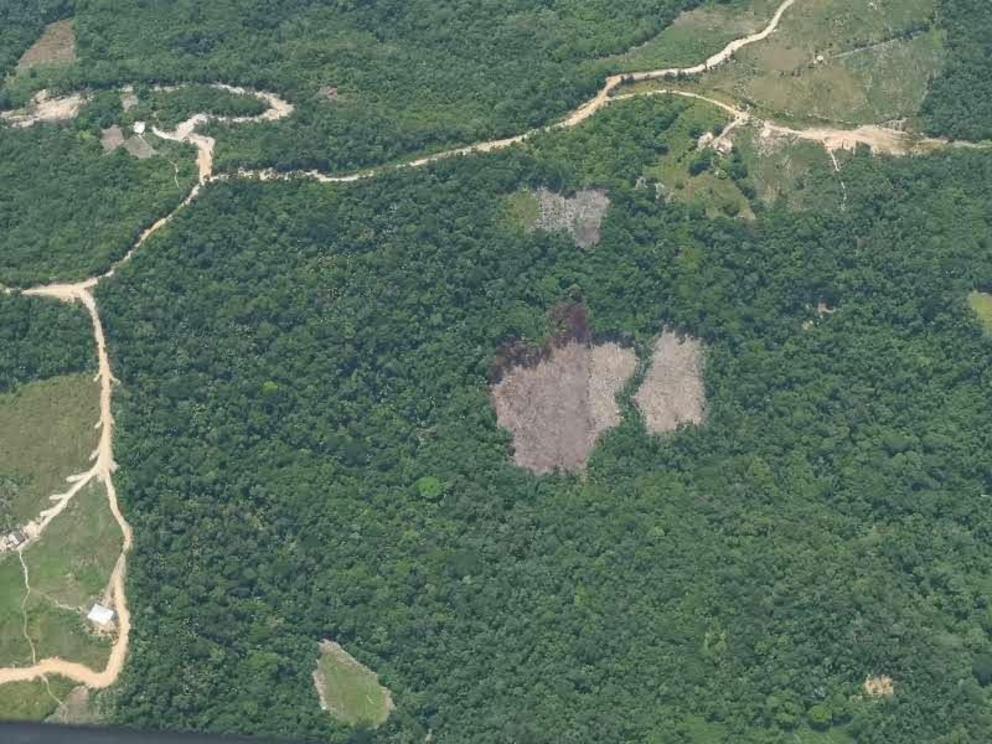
56, 46
879, 687
672, 393
138, 147
76, 708
581, 216
558, 408
111, 138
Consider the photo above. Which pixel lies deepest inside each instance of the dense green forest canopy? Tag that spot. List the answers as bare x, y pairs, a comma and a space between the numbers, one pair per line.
960, 100
311, 353
40, 339
68, 209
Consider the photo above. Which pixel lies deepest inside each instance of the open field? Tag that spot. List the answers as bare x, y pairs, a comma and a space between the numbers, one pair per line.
349, 691
14, 649
696, 34
981, 304
784, 171
32, 701
65, 634
838, 61
48, 435
68, 569
71, 564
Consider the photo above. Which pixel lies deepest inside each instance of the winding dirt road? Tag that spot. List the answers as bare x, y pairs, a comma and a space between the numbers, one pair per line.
879, 139
103, 456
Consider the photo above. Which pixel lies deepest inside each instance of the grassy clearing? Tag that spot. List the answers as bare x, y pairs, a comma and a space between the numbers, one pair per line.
69, 569
32, 701
981, 304
14, 650
65, 633
837, 60
72, 563
350, 692
697, 34
47, 435
786, 172
523, 210
712, 188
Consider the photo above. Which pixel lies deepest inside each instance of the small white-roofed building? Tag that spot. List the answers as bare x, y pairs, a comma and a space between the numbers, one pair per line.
101, 616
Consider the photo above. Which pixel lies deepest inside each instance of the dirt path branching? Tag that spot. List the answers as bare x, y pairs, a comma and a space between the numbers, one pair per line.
879, 139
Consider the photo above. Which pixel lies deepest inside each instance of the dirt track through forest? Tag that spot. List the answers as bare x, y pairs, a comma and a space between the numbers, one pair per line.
879, 139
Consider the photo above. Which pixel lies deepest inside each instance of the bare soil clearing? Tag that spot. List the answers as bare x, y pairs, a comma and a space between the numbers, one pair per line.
673, 393
581, 216
139, 147
56, 46
43, 109
111, 138
557, 409
76, 708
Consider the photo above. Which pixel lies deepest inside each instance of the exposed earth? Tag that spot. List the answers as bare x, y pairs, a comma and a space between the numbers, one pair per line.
673, 393
558, 409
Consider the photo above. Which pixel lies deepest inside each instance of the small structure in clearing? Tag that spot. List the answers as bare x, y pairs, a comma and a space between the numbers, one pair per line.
581, 216
349, 691
102, 617
672, 393
879, 686
56, 46
557, 409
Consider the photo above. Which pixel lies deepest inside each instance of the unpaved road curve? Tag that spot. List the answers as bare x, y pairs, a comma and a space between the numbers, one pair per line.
103, 457
602, 99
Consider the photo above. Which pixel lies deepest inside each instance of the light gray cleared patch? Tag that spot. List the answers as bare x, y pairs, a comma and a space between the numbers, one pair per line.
673, 393
558, 409
581, 216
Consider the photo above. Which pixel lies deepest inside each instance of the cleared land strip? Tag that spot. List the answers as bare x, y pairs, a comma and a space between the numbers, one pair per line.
880, 139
